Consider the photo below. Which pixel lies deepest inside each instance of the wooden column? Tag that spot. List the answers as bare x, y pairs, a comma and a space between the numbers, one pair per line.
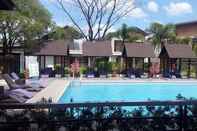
126, 62
171, 61
62, 65
149, 66
54, 62
44, 61
180, 62
143, 66
39, 61
189, 68
134, 64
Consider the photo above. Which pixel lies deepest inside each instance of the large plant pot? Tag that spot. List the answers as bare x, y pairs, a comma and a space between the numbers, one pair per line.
58, 75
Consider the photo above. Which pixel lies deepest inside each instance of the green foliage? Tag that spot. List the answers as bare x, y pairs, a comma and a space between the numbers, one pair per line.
124, 32
66, 70
66, 33
131, 34
22, 75
183, 40
83, 70
162, 32
28, 22
113, 67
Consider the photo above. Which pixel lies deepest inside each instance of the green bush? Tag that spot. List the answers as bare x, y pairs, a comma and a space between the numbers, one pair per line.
22, 75
66, 70
115, 67
83, 70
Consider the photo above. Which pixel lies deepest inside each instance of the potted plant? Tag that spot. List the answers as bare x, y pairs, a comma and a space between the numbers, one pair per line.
109, 68
83, 71
66, 72
58, 70
115, 68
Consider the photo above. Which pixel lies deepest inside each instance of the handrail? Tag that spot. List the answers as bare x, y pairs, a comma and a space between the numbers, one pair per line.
97, 104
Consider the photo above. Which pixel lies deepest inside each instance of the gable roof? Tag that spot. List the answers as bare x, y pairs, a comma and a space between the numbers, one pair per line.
55, 48
97, 48
186, 23
139, 50
178, 51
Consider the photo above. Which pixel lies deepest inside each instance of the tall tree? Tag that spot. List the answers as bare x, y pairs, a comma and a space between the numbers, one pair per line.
124, 32
28, 22
161, 33
22, 26
64, 33
131, 34
98, 15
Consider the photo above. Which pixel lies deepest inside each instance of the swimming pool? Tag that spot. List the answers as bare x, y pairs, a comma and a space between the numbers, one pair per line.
124, 91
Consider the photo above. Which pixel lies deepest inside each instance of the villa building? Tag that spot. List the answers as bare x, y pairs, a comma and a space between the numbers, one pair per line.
187, 29
174, 56
137, 54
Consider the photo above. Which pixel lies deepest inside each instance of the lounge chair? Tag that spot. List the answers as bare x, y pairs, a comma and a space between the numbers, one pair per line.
167, 74
29, 82
90, 74
177, 74
22, 92
130, 73
102, 74
17, 97
17, 79
13, 85
47, 72
138, 73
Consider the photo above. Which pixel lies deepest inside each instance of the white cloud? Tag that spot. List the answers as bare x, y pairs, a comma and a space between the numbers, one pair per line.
138, 13
153, 6
178, 8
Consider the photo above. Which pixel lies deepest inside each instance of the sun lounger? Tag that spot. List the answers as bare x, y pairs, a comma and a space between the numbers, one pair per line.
167, 74
17, 97
102, 74
90, 75
17, 79
23, 92
130, 74
13, 85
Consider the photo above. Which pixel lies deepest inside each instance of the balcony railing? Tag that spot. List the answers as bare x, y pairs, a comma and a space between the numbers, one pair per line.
122, 116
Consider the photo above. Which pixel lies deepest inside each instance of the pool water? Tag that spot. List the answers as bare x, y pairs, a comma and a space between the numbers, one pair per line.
102, 92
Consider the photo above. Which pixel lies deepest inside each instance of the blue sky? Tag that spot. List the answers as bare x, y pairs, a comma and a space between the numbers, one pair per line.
147, 11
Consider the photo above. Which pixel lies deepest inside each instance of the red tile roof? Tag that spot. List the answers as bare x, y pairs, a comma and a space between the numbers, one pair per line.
179, 51
54, 48
97, 48
139, 50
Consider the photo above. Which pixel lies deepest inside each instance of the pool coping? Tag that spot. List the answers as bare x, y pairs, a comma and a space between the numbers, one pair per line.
50, 92
139, 80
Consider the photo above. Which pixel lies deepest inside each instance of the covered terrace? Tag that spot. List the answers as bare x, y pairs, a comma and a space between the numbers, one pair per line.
174, 56
138, 56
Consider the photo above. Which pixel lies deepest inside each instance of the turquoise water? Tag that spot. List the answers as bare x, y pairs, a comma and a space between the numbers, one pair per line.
102, 92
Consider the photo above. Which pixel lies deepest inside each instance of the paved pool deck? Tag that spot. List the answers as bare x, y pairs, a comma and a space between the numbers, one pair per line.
54, 91
55, 87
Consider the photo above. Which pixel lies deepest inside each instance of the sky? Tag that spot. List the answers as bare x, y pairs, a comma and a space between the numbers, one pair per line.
145, 13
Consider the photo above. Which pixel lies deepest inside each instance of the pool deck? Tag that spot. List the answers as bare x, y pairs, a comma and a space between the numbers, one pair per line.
54, 91
55, 87
137, 80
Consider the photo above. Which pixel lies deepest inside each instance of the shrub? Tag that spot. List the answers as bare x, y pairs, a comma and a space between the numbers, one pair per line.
66, 70
83, 70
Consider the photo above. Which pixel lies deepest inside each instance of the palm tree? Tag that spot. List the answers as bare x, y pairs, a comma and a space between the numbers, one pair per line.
161, 33
124, 33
